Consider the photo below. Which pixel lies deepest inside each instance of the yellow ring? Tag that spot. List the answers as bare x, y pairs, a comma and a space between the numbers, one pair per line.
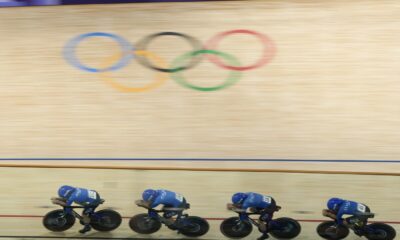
161, 77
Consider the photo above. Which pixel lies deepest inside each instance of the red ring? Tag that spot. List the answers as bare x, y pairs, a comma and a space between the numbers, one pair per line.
269, 49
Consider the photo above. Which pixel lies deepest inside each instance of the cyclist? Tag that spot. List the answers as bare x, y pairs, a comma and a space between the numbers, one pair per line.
173, 203
89, 199
257, 203
339, 207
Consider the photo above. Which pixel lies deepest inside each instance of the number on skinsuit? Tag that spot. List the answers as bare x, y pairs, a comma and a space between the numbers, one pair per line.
92, 194
361, 207
178, 197
267, 199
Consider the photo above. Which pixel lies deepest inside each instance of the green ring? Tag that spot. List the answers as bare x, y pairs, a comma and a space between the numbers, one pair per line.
231, 79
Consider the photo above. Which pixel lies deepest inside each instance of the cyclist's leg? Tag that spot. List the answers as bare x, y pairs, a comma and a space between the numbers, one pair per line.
178, 223
86, 219
91, 207
264, 219
360, 223
182, 206
266, 216
353, 222
364, 221
87, 213
169, 221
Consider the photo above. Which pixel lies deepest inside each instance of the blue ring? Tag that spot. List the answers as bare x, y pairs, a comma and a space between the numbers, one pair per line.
70, 56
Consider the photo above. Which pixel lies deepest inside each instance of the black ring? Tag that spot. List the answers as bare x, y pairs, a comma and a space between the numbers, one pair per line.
142, 45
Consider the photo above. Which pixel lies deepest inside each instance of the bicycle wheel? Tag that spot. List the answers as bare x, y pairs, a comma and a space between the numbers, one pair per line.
194, 227
381, 231
58, 221
341, 232
234, 228
105, 220
144, 224
288, 228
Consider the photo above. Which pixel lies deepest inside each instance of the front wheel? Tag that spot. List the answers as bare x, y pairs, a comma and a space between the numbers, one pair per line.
234, 228
194, 226
144, 224
105, 220
58, 221
286, 228
380, 231
340, 233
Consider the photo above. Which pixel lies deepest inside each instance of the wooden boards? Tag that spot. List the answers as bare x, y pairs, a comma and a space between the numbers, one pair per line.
302, 196
329, 92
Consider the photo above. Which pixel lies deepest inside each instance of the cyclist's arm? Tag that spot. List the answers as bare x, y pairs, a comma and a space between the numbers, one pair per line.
156, 202
246, 204
68, 203
339, 215
242, 211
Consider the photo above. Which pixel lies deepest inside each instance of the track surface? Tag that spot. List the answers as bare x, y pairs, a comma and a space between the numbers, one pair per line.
301, 195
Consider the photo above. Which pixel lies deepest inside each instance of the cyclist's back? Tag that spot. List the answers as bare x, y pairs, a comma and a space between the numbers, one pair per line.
168, 199
255, 200
84, 197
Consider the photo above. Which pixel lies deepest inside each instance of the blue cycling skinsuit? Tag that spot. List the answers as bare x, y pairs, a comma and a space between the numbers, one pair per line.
169, 199
89, 199
258, 203
344, 207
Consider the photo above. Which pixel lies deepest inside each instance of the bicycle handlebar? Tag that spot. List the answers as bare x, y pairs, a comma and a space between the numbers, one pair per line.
328, 213
61, 202
144, 204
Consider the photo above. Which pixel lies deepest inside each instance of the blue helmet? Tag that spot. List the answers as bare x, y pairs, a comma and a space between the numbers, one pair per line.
238, 198
334, 203
65, 191
149, 195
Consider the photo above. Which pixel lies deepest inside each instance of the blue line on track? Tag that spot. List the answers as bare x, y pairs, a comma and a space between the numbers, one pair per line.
204, 159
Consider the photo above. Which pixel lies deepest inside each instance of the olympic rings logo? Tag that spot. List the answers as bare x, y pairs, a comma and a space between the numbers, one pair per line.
186, 61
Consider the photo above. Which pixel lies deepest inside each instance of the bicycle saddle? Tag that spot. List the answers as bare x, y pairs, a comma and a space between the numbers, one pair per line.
102, 201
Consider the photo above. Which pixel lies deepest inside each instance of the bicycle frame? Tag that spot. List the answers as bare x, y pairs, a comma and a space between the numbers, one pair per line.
155, 214
353, 227
74, 213
245, 216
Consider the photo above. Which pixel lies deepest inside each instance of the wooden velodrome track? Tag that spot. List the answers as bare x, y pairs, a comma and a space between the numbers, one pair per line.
302, 196
326, 102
